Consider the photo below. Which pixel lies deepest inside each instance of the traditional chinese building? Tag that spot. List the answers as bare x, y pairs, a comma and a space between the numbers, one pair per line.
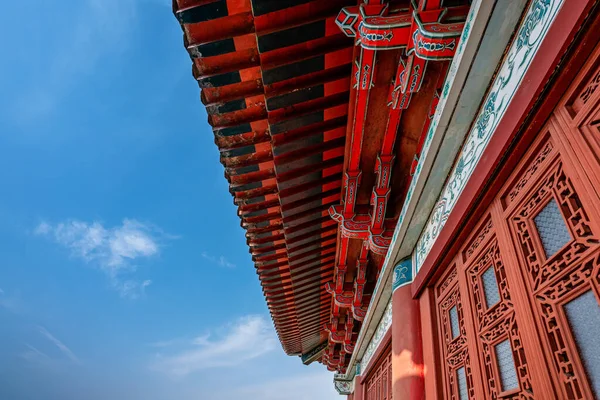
419, 182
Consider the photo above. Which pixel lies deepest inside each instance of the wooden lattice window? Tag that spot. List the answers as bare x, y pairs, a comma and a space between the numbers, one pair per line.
379, 381
506, 372
457, 365
560, 253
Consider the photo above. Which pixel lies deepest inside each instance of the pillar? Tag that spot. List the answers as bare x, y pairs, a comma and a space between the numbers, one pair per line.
358, 386
407, 351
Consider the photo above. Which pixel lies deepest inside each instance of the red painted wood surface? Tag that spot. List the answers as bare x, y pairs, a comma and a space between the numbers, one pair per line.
561, 165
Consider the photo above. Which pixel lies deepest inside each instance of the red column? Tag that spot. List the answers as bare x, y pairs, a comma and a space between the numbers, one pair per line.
358, 388
407, 351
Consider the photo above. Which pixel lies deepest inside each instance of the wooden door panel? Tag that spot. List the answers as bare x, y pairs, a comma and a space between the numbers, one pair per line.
458, 371
516, 307
505, 370
555, 242
379, 382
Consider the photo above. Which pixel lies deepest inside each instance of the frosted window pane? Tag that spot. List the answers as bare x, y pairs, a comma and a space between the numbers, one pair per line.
583, 314
490, 287
506, 365
552, 229
461, 379
454, 325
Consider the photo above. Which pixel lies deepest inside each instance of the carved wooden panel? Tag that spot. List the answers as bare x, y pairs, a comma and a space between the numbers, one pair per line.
584, 93
379, 381
578, 116
497, 332
555, 273
458, 372
524, 287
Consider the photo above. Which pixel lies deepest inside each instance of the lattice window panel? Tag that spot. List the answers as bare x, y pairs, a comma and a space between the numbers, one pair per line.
461, 381
379, 382
490, 287
583, 314
454, 322
553, 279
506, 366
496, 325
551, 227
455, 355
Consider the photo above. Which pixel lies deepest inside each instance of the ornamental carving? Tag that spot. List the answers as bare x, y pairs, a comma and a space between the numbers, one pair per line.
590, 88
382, 328
454, 344
482, 237
531, 171
559, 187
497, 322
556, 279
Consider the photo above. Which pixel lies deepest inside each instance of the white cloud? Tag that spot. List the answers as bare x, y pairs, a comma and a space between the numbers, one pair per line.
42, 229
131, 289
34, 355
248, 338
61, 346
113, 250
220, 261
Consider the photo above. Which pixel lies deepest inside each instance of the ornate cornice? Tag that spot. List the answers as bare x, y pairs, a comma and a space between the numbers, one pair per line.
343, 385
382, 328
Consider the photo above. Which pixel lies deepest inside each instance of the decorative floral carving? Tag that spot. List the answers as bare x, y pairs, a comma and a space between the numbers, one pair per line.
481, 238
450, 279
590, 88
497, 322
382, 328
456, 353
343, 387
531, 171
554, 280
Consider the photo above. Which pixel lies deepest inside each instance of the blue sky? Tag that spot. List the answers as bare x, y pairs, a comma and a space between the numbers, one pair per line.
124, 272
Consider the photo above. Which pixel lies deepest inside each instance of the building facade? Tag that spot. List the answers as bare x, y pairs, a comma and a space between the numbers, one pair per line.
419, 182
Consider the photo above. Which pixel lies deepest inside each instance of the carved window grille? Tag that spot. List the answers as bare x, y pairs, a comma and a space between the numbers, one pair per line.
558, 269
379, 381
454, 323
552, 229
490, 287
461, 379
583, 314
506, 366
506, 371
457, 365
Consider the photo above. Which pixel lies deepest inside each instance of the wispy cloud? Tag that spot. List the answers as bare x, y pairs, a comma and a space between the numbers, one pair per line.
114, 250
220, 261
61, 346
247, 338
33, 355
